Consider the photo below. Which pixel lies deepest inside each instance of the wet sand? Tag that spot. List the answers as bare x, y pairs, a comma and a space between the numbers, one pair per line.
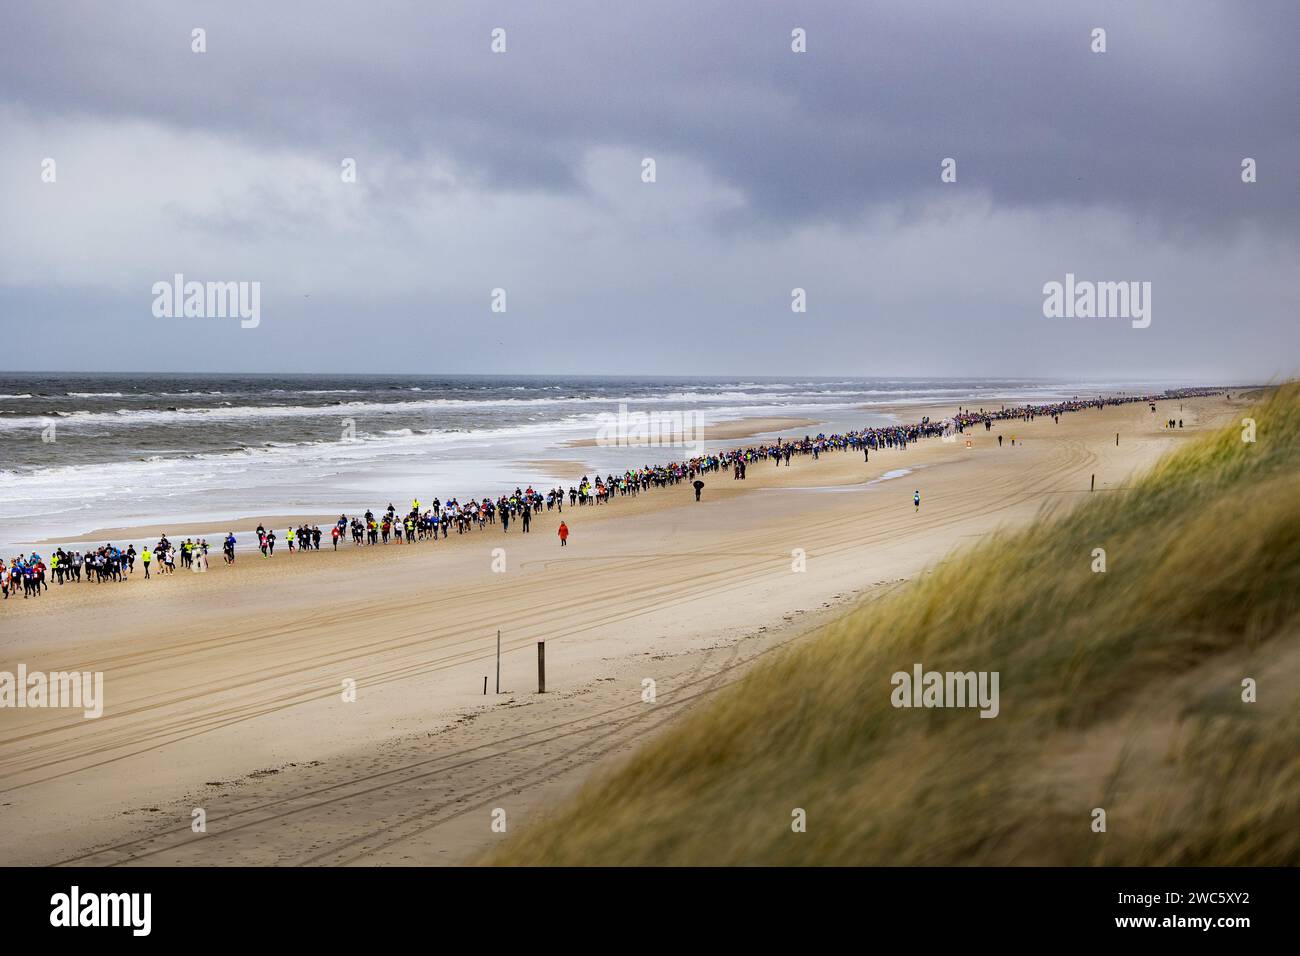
722, 431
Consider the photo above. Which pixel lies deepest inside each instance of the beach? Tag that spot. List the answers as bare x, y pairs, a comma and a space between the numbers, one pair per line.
672, 438
94, 457
225, 691
564, 471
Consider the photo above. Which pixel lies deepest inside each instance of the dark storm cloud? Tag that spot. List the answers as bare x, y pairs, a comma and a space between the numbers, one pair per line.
1158, 124
776, 170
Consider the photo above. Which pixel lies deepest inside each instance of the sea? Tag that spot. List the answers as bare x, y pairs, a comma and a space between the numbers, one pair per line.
81, 452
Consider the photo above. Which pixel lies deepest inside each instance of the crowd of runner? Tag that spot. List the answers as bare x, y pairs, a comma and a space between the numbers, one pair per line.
31, 575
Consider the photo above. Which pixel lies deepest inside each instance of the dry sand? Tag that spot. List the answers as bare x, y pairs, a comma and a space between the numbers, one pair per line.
224, 690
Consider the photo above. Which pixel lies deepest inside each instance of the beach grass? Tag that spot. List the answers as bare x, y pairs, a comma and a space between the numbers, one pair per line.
1120, 691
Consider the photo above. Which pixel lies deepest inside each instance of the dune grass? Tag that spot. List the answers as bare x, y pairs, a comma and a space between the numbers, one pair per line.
1119, 690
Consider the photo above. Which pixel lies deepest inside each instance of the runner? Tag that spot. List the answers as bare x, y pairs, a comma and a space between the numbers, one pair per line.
109, 563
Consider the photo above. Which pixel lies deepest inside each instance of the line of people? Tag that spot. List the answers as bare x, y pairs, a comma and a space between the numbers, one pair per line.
420, 523
108, 563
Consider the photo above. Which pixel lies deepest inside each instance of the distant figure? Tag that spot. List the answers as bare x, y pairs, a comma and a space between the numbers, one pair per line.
916, 499
564, 534
698, 486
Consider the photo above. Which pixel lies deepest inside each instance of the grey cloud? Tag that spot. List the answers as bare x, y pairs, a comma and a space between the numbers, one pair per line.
819, 170
1159, 123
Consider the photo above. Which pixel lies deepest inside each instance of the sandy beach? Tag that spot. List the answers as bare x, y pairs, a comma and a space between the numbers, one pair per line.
224, 691
657, 437
541, 472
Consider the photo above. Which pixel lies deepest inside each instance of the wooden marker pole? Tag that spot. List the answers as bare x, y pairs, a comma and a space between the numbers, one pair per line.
1093, 485
498, 662
1117, 439
541, 667
485, 685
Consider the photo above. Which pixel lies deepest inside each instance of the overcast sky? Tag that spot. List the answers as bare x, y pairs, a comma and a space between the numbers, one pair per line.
522, 170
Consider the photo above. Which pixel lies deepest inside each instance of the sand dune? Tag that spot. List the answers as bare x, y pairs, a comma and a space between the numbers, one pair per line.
1127, 664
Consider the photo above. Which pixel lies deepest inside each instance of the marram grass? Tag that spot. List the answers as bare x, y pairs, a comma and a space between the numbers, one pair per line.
1119, 691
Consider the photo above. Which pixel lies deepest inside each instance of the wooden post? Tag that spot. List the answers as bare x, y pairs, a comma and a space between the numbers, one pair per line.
541, 667
485, 685
498, 661
1117, 439
1093, 486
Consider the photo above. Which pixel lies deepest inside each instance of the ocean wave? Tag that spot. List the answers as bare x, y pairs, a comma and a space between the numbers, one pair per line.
358, 451
227, 411
764, 396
